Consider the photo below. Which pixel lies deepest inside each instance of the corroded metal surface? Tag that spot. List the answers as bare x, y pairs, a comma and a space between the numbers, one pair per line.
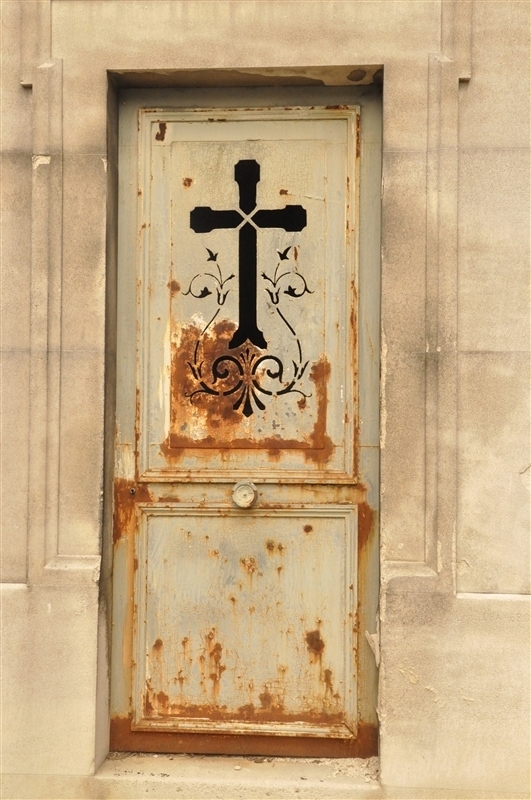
237, 629
246, 293
211, 420
240, 621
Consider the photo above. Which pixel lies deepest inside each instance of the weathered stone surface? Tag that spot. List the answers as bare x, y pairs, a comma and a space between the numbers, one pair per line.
494, 474
500, 57
454, 669
403, 459
48, 682
454, 707
494, 249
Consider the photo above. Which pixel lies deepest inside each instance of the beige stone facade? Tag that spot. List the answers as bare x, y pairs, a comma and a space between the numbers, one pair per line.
455, 464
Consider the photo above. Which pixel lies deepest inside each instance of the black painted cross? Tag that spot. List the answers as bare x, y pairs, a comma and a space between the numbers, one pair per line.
204, 220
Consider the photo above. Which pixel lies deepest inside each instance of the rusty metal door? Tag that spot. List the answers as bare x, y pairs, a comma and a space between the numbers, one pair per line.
237, 498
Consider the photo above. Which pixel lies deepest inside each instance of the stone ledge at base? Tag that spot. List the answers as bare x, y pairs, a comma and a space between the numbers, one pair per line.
133, 776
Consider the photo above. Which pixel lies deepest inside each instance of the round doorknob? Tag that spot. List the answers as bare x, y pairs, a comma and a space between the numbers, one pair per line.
245, 494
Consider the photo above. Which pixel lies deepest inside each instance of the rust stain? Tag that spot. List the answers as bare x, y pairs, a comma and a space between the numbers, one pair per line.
187, 182
174, 286
353, 319
367, 530
219, 419
246, 711
266, 700
126, 739
148, 708
327, 680
158, 645
271, 710
320, 375
127, 494
365, 523
161, 135
308, 529
249, 565
283, 191
358, 136
183, 384
271, 546
337, 108
315, 643
163, 700
214, 651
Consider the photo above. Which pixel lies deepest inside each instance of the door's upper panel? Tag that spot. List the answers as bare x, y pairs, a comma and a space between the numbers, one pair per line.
247, 295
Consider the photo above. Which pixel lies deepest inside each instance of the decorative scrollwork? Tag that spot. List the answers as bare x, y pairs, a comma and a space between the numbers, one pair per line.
243, 376
209, 282
246, 372
294, 286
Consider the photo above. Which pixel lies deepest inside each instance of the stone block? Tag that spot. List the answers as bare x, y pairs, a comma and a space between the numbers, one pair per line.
48, 680
500, 57
85, 105
455, 693
16, 100
183, 36
493, 473
15, 231
406, 91
80, 476
84, 243
494, 237
14, 464
404, 251
403, 459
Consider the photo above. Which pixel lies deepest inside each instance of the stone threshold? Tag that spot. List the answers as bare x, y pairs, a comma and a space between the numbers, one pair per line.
138, 775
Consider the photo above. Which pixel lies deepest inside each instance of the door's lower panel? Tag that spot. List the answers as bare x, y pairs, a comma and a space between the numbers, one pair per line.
244, 621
